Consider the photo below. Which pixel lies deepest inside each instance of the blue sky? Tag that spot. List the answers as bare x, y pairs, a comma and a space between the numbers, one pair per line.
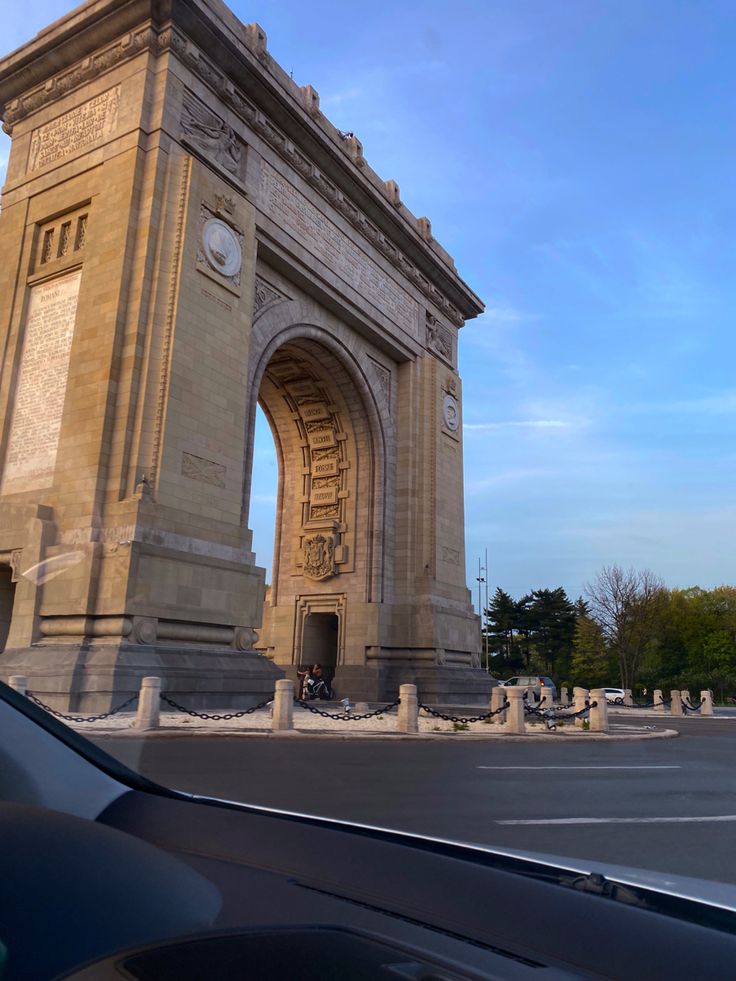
576, 157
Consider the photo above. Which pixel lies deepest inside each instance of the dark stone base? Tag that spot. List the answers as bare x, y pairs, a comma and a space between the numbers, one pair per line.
436, 684
91, 678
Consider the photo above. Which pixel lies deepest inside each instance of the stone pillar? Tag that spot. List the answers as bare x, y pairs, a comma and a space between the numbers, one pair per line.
515, 713
657, 699
676, 706
498, 696
408, 715
19, 683
707, 699
628, 698
545, 700
283, 705
149, 704
579, 698
685, 696
563, 696
599, 714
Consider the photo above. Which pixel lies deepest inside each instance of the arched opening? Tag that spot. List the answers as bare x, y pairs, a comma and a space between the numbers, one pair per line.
264, 493
7, 598
327, 536
320, 642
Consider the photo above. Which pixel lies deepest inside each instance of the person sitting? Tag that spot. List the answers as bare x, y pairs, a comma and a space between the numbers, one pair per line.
316, 683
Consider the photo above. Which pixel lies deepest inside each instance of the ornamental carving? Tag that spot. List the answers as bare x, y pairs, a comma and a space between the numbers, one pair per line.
16, 557
451, 413
221, 248
438, 338
319, 557
265, 297
210, 134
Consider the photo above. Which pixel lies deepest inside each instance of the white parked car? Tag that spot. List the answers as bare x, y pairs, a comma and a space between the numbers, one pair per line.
615, 696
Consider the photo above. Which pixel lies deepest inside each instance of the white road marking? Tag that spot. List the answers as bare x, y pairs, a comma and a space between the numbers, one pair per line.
667, 766
635, 820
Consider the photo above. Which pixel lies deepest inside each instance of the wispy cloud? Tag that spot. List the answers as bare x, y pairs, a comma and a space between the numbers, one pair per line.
718, 404
518, 423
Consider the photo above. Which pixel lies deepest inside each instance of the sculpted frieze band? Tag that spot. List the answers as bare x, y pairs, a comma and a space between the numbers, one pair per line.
171, 39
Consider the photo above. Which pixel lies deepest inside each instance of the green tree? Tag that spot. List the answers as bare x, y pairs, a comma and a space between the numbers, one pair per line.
592, 665
551, 618
627, 606
501, 621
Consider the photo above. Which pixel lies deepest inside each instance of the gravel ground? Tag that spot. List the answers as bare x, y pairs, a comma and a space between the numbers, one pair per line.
306, 721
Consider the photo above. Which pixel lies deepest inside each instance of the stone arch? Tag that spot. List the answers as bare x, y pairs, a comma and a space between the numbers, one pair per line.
331, 431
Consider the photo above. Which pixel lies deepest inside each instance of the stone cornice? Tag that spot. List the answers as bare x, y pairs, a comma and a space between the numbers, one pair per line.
259, 73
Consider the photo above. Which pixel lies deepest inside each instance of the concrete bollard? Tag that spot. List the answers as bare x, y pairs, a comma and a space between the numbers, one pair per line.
498, 697
149, 704
515, 722
283, 705
685, 696
628, 698
676, 706
408, 714
579, 698
657, 699
563, 696
19, 683
599, 714
706, 697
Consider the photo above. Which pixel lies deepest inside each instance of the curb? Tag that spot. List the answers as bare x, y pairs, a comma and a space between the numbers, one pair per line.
322, 734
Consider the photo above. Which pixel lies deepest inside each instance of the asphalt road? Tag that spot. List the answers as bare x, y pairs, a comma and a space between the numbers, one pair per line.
664, 804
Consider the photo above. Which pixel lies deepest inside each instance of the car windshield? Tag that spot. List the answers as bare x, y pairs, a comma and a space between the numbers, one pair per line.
313, 502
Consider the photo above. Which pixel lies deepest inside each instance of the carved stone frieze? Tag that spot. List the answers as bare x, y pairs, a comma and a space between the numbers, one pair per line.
318, 555
231, 95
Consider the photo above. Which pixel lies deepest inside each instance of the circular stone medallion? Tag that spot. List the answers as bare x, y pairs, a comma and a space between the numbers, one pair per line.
450, 413
221, 247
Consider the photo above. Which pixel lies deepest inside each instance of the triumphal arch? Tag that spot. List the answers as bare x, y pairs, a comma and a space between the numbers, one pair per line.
185, 236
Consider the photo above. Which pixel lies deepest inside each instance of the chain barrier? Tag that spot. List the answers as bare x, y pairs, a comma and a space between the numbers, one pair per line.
461, 718
692, 708
212, 717
554, 716
81, 718
346, 716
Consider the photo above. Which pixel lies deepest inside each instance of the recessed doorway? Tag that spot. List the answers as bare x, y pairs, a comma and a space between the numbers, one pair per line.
7, 597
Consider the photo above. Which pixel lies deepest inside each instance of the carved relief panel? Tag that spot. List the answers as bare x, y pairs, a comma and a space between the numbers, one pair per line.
211, 137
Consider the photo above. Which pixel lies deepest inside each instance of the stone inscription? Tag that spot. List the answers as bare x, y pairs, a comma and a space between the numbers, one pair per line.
75, 130
308, 225
320, 439
197, 468
39, 399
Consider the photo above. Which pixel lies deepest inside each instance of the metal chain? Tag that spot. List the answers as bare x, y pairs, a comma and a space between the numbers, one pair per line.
346, 716
81, 718
211, 716
692, 708
464, 719
554, 716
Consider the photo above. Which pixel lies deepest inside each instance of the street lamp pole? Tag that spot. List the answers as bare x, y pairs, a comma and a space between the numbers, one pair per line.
485, 635
481, 580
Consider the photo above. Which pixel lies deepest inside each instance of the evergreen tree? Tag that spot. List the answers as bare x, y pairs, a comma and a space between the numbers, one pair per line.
591, 666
